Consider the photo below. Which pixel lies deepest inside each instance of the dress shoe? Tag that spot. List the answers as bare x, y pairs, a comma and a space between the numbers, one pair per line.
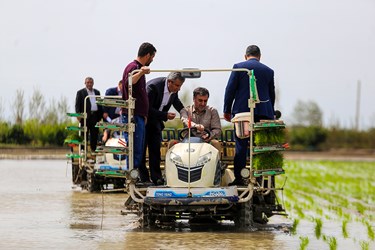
144, 184
159, 182
237, 182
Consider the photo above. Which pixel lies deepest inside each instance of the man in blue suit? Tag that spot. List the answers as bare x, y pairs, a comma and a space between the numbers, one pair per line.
162, 94
236, 98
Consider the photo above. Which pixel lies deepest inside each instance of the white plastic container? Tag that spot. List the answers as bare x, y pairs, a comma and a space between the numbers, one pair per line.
242, 124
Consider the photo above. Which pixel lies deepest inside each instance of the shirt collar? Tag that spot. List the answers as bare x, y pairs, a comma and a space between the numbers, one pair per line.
166, 90
193, 110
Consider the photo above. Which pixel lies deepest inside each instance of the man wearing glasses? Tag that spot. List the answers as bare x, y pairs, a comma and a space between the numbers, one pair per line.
162, 94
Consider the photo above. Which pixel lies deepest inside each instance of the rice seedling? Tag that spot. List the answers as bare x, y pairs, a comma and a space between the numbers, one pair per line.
370, 232
300, 212
335, 191
360, 208
332, 242
318, 227
293, 230
364, 245
344, 229
304, 241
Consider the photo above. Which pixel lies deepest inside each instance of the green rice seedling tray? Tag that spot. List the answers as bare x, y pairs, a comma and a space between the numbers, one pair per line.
73, 141
112, 173
269, 124
269, 137
111, 102
74, 156
112, 126
75, 128
111, 149
75, 115
263, 149
268, 160
269, 172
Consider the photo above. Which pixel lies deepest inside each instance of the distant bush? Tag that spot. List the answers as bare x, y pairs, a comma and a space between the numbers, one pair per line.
4, 131
307, 138
17, 136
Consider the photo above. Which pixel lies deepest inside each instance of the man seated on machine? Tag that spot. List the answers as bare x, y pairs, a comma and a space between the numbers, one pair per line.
203, 117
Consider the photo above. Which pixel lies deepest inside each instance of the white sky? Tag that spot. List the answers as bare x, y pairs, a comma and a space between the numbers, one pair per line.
319, 49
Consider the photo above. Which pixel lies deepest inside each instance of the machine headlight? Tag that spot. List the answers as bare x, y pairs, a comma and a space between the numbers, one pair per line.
134, 174
204, 159
245, 173
176, 159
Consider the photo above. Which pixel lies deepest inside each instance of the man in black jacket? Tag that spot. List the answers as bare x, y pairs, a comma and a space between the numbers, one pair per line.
94, 111
162, 94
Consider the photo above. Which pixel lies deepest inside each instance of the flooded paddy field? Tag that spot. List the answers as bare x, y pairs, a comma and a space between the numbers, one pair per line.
41, 210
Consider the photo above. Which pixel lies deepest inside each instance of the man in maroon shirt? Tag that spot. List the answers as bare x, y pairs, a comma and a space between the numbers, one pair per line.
146, 54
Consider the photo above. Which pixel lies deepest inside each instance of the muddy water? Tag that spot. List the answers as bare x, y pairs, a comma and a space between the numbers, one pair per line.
41, 210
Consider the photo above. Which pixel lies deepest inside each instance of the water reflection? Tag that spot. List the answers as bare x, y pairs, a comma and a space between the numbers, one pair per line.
40, 209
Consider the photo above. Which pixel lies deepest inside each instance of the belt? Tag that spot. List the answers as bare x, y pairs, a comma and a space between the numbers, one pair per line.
93, 112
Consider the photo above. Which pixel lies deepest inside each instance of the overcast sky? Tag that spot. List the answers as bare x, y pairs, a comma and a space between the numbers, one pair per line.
319, 49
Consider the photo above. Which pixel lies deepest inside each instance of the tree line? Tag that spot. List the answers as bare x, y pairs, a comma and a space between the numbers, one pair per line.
46, 125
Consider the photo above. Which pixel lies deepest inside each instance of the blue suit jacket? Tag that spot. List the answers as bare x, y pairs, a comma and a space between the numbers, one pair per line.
237, 91
111, 110
155, 91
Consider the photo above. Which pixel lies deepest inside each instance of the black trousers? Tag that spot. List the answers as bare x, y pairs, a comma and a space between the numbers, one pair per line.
152, 143
92, 131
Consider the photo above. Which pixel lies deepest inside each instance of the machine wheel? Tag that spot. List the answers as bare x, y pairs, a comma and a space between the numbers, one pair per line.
76, 178
146, 217
92, 184
244, 215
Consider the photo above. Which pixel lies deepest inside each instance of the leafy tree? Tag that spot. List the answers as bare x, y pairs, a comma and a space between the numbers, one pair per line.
1, 109
19, 107
62, 109
4, 132
51, 114
307, 113
36, 105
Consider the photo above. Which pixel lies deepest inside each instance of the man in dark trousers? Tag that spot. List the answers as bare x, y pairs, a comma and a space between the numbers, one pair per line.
236, 100
94, 111
145, 56
162, 94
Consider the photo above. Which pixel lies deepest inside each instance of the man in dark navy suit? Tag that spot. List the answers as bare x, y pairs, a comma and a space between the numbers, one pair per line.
110, 113
94, 111
162, 94
236, 100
